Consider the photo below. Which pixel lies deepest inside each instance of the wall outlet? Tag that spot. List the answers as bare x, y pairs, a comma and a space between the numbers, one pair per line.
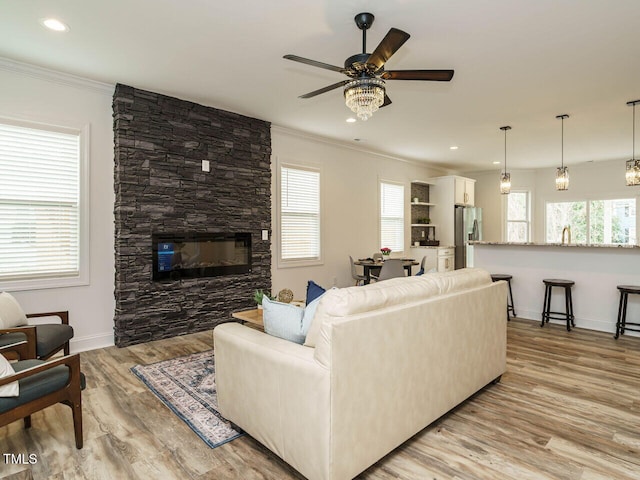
206, 166
265, 234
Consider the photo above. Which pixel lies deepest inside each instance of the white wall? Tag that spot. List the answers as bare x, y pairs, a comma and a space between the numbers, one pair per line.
349, 195
350, 179
587, 181
34, 94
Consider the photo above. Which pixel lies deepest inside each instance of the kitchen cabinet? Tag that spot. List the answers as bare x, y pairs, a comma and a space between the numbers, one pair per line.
449, 191
441, 259
464, 191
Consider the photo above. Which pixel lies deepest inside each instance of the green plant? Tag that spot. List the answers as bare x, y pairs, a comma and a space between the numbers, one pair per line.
258, 295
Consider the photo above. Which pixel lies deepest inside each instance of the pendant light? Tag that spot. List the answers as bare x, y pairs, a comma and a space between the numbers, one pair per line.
505, 177
632, 174
562, 172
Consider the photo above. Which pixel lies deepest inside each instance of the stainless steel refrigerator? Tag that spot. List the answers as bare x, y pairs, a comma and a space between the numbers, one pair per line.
468, 226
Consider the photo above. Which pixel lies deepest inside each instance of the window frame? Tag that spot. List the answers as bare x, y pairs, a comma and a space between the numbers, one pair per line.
382, 181
83, 276
298, 262
587, 201
505, 215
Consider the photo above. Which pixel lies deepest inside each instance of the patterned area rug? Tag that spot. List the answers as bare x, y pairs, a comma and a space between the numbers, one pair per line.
187, 385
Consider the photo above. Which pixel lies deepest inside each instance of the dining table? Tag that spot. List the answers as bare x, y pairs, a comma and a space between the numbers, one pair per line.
369, 265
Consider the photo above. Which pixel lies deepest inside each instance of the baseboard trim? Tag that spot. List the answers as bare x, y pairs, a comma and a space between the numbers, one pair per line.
585, 323
91, 342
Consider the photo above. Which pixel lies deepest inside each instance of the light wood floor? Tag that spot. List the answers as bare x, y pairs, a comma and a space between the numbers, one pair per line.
567, 408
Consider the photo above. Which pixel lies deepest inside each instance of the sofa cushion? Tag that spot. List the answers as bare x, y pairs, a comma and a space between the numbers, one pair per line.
11, 313
6, 370
283, 320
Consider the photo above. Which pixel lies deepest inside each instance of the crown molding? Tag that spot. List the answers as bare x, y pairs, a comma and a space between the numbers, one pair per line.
53, 76
341, 143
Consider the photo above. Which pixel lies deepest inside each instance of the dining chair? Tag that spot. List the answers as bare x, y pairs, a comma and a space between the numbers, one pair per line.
360, 279
391, 268
422, 264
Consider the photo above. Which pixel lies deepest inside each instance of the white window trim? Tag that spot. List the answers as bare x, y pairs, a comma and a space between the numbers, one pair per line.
283, 263
505, 215
83, 277
405, 202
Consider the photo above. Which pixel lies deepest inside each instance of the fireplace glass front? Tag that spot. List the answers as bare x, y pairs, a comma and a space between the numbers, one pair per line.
177, 256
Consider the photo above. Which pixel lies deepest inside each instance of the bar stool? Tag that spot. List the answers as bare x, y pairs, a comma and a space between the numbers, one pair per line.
621, 324
496, 277
546, 308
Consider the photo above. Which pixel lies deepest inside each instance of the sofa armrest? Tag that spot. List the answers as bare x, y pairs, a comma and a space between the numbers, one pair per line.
276, 391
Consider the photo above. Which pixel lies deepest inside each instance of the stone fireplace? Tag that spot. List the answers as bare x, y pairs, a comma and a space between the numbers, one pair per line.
161, 189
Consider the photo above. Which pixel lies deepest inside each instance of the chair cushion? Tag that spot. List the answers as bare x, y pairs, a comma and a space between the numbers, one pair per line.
11, 313
6, 370
9, 338
51, 336
37, 385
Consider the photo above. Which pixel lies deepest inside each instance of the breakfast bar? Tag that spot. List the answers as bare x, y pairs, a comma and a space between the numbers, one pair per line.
597, 270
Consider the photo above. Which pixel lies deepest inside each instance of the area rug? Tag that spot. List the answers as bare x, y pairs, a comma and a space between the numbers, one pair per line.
187, 385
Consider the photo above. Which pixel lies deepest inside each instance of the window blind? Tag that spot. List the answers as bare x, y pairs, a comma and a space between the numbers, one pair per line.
39, 203
299, 214
392, 216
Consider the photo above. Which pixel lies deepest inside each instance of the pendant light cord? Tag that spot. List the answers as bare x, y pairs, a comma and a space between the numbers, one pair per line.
633, 151
562, 144
504, 129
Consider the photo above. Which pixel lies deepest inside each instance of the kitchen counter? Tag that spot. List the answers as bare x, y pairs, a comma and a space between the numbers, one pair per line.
597, 270
534, 244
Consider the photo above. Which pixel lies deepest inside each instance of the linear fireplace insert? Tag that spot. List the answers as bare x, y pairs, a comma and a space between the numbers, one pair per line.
192, 255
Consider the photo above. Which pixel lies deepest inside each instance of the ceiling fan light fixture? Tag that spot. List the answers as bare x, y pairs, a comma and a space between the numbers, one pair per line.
632, 172
364, 96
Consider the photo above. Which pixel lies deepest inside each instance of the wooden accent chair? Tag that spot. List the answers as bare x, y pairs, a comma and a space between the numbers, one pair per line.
42, 384
42, 340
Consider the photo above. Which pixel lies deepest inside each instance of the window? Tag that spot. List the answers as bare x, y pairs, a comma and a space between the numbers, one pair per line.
41, 214
518, 216
593, 222
392, 216
299, 214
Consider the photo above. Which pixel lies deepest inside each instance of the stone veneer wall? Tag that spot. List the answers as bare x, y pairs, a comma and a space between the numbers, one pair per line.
160, 143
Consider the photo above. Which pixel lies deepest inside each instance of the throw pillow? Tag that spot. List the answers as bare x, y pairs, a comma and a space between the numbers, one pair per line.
11, 313
313, 291
309, 313
6, 370
283, 320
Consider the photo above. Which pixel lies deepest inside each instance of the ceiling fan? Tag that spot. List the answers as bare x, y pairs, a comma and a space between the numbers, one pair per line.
364, 91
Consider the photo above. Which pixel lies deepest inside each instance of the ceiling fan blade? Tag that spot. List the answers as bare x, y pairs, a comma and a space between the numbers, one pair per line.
432, 75
387, 101
314, 63
325, 89
389, 45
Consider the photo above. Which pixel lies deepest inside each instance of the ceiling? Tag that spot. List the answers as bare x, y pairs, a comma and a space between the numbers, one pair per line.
516, 62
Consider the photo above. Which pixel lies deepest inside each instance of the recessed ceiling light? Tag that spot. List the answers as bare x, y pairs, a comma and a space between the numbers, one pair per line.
496, 162
55, 25
453, 147
351, 120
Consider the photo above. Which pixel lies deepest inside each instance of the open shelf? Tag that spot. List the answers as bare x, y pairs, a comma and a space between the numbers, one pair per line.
424, 204
423, 225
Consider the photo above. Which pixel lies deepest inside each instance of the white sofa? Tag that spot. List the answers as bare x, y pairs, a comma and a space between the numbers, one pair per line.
381, 362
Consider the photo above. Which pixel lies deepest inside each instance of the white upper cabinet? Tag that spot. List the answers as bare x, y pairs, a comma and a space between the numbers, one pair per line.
464, 191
